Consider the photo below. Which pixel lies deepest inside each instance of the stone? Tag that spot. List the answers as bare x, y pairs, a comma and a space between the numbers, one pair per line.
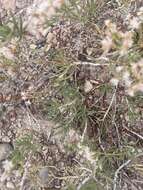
10, 185
44, 175
88, 86
5, 150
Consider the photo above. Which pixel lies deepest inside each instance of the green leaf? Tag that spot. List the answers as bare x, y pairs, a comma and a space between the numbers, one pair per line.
5, 32
91, 185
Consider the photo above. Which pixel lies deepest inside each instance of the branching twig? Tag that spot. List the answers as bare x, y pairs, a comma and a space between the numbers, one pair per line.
134, 133
84, 132
25, 174
83, 182
112, 100
117, 172
90, 64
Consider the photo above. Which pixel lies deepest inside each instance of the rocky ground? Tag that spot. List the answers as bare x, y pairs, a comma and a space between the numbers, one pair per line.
62, 125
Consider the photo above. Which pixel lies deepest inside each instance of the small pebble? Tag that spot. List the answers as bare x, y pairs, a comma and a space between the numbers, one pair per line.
44, 175
5, 150
10, 185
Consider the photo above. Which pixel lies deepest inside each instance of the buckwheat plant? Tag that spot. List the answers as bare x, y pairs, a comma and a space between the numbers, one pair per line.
123, 48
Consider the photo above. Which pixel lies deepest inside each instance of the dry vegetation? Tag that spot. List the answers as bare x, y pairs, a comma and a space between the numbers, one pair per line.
71, 102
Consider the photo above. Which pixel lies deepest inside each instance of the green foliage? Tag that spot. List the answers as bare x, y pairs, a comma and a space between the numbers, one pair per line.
91, 185
18, 29
71, 187
133, 104
13, 28
77, 10
5, 32
66, 107
82, 11
23, 147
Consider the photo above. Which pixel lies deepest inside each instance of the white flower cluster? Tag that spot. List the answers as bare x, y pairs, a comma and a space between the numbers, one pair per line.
39, 13
137, 73
116, 39
8, 5
132, 79
129, 74
135, 21
87, 154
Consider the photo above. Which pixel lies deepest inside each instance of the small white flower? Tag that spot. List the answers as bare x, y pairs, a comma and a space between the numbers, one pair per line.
127, 42
137, 69
24, 96
9, 5
111, 26
57, 3
73, 136
107, 44
89, 155
7, 53
119, 69
39, 13
134, 23
33, 46
126, 79
114, 81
